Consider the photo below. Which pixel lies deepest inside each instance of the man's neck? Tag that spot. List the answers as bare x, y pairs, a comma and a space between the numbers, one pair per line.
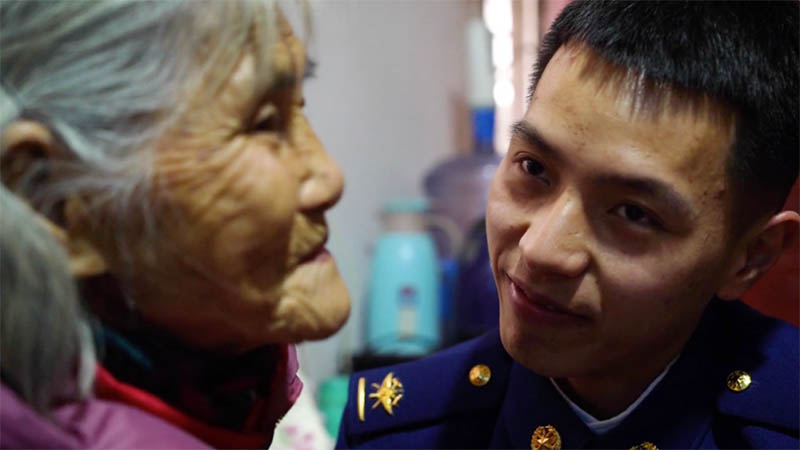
607, 395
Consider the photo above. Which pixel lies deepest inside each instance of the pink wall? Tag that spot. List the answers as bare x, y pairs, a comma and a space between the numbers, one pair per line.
548, 10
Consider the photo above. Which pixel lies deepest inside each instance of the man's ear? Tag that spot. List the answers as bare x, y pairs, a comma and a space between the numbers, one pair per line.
761, 253
26, 146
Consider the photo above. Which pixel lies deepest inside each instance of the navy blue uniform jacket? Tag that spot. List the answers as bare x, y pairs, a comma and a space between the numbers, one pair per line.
692, 407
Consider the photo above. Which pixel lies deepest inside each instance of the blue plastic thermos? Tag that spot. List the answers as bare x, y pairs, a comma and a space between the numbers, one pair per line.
403, 294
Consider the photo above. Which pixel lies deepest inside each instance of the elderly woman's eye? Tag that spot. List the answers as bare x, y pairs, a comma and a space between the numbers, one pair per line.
267, 119
311, 69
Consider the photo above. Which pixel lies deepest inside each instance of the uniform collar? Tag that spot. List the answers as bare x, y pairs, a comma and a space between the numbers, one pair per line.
434, 388
604, 426
676, 414
530, 402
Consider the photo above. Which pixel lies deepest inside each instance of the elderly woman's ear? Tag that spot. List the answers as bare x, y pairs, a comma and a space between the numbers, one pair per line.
24, 145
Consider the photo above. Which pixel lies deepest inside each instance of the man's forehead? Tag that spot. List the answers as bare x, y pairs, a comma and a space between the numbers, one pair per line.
632, 106
589, 117
644, 96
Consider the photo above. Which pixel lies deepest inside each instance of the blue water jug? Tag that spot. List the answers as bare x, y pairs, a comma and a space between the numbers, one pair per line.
475, 304
403, 307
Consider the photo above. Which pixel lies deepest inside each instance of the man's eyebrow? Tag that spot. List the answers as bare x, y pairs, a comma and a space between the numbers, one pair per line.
528, 133
650, 187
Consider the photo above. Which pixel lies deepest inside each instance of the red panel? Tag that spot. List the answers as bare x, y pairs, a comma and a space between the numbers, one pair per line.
777, 294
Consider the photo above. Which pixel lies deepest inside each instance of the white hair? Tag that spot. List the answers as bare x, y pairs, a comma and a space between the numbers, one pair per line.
46, 351
108, 77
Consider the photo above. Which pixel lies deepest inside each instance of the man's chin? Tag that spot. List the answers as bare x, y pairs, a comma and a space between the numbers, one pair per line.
536, 358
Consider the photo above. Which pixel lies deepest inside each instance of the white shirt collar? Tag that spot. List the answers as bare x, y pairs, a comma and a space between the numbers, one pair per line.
604, 426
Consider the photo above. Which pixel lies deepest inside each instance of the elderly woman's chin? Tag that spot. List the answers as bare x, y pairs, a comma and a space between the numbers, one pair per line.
310, 302
315, 303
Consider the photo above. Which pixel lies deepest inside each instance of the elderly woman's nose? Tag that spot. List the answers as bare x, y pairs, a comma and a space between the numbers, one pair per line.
324, 187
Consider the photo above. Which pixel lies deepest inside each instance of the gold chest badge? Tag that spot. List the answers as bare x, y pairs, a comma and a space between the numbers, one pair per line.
545, 438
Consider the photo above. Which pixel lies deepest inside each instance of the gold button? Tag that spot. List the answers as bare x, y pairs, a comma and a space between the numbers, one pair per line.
739, 380
545, 438
480, 374
645, 446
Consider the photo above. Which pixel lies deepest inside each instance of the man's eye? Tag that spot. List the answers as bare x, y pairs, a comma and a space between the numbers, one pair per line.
636, 215
532, 167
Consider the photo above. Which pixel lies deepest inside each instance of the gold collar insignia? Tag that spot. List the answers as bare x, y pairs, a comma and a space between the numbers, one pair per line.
388, 393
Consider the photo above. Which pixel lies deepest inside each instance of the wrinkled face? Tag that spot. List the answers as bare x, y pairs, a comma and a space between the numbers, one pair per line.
606, 230
242, 187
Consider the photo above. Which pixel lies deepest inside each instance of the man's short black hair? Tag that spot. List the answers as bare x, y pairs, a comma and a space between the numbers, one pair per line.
741, 55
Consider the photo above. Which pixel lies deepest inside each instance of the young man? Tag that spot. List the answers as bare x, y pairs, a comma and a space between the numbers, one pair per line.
640, 196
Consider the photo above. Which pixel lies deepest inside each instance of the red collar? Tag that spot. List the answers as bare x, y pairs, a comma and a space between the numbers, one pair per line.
109, 388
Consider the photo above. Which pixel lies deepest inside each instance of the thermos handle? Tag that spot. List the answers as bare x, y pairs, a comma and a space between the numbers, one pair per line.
448, 226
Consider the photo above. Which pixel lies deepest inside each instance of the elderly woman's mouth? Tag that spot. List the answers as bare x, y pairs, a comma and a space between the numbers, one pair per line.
321, 253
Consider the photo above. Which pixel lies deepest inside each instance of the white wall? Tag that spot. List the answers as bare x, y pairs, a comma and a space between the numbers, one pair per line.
387, 103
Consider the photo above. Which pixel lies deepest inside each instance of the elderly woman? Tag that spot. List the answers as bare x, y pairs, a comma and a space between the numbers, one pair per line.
48, 357
165, 146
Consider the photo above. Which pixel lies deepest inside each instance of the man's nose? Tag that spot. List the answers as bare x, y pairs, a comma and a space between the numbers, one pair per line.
555, 242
